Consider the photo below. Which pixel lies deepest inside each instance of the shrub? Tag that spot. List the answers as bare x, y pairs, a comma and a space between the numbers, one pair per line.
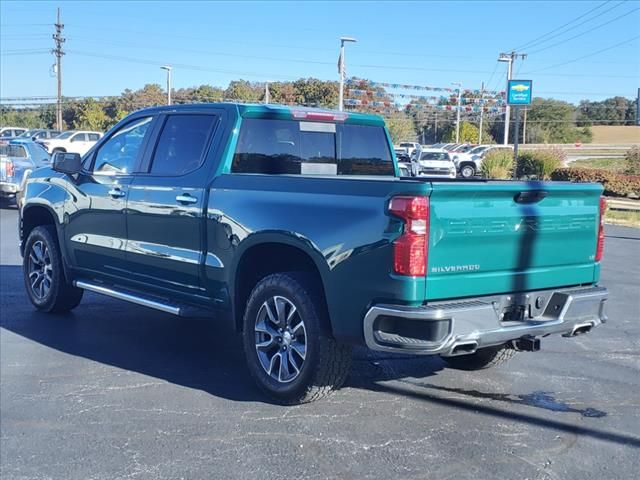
615, 185
632, 161
497, 164
540, 163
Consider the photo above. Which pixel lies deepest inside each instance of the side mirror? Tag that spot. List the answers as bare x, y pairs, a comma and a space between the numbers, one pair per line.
69, 163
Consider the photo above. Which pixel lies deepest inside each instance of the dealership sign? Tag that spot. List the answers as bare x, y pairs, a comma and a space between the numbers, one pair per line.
519, 92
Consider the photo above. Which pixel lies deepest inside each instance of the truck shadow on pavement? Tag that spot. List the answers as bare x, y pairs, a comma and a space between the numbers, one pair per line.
196, 353
199, 354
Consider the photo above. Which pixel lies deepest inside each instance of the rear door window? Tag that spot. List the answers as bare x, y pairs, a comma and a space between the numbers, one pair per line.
182, 144
311, 148
93, 137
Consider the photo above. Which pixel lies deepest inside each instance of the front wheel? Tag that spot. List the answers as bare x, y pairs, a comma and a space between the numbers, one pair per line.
467, 171
288, 354
483, 358
44, 278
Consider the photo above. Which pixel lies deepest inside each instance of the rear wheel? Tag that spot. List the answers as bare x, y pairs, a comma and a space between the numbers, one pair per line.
288, 354
467, 171
483, 358
44, 278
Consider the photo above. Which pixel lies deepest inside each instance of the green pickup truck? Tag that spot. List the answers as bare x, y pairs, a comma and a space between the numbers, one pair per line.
293, 226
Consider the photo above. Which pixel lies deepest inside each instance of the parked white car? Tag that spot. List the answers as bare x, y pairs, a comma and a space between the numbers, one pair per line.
409, 146
73, 141
9, 133
435, 162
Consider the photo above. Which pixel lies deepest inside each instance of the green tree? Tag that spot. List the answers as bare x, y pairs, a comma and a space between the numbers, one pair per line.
469, 133
282, 92
207, 94
401, 127
90, 115
553, 121
148, 96
243, 91
314, 92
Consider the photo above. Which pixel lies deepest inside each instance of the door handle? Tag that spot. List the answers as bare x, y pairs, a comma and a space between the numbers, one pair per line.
116, 193
186, 199
530, 196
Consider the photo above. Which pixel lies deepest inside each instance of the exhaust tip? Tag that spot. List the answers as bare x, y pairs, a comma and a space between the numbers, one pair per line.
464, 348
582, 329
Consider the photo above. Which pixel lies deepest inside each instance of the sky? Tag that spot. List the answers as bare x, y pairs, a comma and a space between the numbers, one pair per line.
116, 45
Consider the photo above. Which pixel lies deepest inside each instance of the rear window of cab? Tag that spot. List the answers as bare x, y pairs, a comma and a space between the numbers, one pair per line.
271, 146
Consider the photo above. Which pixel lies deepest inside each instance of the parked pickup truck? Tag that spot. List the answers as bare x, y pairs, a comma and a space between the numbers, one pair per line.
293, 225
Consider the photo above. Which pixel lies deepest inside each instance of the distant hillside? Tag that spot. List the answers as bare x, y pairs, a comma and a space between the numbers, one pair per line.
613, 134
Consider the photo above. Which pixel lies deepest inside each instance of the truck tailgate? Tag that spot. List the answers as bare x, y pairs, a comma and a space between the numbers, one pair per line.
501, 237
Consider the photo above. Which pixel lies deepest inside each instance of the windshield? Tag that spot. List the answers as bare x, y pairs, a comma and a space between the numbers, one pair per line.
38, 153
65, 135
434, 156
477, 150
28, 133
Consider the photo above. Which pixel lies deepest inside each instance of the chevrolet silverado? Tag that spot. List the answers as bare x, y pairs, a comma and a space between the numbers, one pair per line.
293, 226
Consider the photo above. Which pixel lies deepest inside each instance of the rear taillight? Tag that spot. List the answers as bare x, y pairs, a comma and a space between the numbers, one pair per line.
410, 249
9, 169
600, 245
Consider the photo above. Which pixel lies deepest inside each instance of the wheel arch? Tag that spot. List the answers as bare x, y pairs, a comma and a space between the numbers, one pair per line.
273, 253
34, 215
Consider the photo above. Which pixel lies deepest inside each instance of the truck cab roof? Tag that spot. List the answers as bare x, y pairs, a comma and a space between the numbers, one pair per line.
283, 112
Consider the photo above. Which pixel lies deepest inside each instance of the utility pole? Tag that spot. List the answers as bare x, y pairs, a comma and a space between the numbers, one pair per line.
58, 52
266, 92
509, 58
435, 133
341, 70
481, 114
168, 68
459, 85
638, 108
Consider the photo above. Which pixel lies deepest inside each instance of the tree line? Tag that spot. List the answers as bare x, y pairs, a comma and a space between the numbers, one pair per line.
548, 120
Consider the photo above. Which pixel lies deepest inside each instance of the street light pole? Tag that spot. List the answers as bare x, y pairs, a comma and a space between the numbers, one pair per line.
481, 114
509, 58
168, 68
459, 85
343, 40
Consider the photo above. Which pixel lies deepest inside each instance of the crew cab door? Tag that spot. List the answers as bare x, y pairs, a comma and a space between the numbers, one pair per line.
166, 208
78, 143
95, 229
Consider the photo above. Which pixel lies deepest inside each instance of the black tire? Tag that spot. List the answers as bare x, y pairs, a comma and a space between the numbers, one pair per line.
326, 363
467, 171
483, 358
61, 296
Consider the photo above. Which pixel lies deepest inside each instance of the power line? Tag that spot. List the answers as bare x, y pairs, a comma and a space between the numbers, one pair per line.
586, 56
539, 40
178, 65
586, 32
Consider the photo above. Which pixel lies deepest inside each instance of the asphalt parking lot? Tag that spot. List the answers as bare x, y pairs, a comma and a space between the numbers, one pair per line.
117, 391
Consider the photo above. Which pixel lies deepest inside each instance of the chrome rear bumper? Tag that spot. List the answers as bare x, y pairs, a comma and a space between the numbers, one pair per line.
461, 327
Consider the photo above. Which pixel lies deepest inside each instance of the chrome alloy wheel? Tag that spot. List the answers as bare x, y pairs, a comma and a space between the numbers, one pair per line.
281, 339
40, 270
